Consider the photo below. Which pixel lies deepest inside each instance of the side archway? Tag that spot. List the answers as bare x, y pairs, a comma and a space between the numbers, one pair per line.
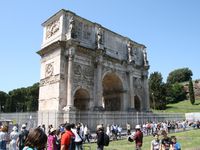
137, 103
81, 99
112, 92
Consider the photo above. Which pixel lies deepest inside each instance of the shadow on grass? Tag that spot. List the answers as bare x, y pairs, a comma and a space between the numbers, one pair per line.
168, 107
196, 103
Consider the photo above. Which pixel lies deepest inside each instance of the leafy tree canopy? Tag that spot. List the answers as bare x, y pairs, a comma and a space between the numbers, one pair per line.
22, 99
179, 75
3, 100
175, 93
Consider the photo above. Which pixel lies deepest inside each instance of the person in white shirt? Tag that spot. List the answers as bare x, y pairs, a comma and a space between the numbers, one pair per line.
78, 137
86, 134
13, 138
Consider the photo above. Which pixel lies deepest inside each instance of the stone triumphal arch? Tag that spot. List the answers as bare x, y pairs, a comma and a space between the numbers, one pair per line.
87, 67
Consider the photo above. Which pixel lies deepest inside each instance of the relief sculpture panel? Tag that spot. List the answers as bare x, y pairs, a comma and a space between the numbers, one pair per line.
49, 69
52, 28
83, 75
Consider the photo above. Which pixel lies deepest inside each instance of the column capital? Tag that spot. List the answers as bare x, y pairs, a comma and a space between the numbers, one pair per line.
99, 60
70, 52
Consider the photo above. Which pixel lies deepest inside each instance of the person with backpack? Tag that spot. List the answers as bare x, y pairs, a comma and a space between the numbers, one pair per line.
68, 138
78, 137
100, 137
22, 137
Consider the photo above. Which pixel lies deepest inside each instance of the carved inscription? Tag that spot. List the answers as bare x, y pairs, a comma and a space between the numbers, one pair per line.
49, 80
78, 29
86, 32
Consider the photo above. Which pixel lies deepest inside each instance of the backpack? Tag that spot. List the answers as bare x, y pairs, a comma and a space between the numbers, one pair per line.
22, 138
72, 143
106, 140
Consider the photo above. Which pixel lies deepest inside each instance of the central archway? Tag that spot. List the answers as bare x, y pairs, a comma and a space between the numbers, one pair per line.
81, 99
112, 92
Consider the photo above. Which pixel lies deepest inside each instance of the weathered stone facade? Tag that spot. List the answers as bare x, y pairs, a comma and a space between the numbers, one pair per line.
86, 67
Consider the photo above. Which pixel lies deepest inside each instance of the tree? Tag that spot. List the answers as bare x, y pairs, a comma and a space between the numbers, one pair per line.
175, 93
3, 99
23, 99
179, 75
33, 92
191, 92
8, 105
157, 91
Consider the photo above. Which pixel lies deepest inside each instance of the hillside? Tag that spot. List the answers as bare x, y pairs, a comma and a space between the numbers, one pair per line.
182, 107
196, 85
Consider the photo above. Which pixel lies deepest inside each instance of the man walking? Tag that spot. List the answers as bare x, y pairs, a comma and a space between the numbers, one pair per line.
137, 137
67, 139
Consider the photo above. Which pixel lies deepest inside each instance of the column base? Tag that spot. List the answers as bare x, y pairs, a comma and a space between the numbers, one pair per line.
98, 108
69, 108
132, 110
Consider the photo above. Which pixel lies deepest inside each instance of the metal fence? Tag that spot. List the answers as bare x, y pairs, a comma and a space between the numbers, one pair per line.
91, 118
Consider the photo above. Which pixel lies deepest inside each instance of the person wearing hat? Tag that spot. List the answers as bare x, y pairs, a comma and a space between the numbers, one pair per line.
51, 140
138, 137
13, 137
22, 137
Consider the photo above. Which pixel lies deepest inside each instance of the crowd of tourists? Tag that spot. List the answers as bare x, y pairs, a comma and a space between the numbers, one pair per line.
72, 136
149, 128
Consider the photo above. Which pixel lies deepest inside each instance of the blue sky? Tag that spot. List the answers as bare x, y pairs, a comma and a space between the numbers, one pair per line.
170, 29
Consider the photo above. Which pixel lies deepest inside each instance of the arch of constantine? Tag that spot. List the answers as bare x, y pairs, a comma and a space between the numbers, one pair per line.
88, 68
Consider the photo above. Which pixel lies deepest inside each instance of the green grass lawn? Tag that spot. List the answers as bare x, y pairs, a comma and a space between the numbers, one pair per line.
181, 107
189, 140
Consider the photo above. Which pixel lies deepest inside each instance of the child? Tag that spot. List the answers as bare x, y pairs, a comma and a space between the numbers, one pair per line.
156, 143
166, 142
175, 144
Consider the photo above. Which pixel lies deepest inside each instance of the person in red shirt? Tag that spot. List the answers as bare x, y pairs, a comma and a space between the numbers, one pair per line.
67, 138
137, 137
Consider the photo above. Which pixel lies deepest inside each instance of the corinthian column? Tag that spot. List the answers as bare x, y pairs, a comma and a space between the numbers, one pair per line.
132, 100
146, 93
98, 99
70, 102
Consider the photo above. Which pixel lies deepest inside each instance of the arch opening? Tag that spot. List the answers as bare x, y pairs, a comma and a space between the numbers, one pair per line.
81, 99
112, 92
